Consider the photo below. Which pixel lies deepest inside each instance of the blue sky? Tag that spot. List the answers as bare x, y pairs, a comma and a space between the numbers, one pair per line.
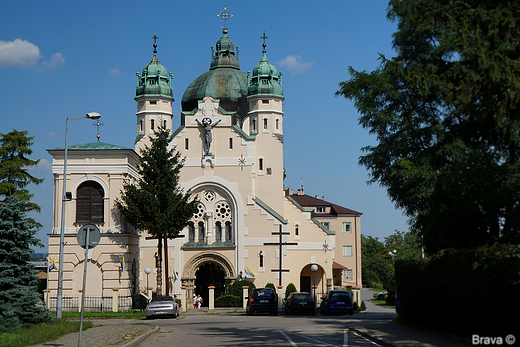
62, 59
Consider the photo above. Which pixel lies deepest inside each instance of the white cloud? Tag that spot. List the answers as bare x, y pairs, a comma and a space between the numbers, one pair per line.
52, 134
115, 72
43, 166
293, 64
56, 60
18, 53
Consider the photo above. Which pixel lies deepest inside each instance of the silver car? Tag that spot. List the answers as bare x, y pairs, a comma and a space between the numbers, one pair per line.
162, 306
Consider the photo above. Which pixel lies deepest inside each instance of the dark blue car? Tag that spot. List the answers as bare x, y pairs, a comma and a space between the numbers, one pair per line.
337, 301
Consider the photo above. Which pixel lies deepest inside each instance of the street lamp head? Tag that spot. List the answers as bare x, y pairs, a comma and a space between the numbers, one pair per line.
314, 268
147, 270
93, 115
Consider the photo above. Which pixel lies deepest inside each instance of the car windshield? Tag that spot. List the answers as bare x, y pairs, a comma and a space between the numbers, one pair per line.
162, 298
340, 295
264, 292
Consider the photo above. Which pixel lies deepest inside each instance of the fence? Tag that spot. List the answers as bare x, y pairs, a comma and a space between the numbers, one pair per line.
94, 303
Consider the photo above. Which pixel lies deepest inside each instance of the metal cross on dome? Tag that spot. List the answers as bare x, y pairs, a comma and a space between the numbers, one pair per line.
155, 37
98, 124
225, 16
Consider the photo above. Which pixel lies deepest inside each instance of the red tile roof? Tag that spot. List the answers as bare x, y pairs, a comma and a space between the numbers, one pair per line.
309, 201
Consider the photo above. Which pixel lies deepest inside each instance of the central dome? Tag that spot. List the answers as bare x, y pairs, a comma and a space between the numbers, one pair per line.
223, 81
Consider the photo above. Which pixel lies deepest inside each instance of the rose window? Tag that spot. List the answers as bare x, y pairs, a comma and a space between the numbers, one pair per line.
209, 196
222, 210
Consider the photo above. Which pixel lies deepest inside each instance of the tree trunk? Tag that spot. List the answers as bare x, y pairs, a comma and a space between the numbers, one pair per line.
159, 266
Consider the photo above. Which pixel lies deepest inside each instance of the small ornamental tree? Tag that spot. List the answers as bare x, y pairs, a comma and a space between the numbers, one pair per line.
156, 203
18, 281
291, 288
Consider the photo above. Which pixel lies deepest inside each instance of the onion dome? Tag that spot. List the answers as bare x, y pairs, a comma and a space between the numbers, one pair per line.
223, 81
265, 79
153, 80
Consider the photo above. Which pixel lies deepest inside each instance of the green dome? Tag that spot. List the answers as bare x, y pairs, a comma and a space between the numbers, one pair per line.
223, 81
265, 79
153, 80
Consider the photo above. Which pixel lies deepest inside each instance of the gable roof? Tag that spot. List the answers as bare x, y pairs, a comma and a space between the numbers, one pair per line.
89, 146
335, 210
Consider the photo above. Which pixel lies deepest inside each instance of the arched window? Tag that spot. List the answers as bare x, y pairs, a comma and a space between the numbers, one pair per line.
228, 231
89, 203
201, 232
191, 232
218, 231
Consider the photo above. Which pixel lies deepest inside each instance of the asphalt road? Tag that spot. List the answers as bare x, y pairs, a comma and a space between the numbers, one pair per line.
256, 330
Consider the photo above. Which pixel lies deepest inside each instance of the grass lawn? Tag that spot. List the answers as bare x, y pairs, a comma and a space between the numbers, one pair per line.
69, 323
40, 333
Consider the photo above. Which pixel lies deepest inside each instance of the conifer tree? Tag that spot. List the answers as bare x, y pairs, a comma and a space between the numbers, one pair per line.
156, 203
18, 296
14, 165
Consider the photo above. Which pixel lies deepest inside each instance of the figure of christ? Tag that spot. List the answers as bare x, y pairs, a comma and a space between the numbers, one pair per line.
208, 126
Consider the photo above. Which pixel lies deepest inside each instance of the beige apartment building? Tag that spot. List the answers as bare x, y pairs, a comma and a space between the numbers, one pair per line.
248, 225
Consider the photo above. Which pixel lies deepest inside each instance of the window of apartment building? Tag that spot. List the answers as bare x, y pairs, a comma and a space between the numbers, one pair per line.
347, 251
320, 209
346, 227
326, 224
347, 274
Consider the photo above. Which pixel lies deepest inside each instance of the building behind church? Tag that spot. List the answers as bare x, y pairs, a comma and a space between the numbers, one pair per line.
248, 225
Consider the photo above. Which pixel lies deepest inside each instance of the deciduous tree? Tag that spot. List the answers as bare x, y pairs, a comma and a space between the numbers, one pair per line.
446, 113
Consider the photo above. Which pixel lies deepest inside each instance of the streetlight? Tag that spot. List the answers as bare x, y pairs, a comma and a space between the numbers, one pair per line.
91, 115
392, 255
147, 271
314, 268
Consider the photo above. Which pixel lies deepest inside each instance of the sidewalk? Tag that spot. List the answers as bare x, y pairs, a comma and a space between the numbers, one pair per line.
385, 333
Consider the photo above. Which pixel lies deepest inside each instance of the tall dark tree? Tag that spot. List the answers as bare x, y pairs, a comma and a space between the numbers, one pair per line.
446, 113
15, 147
18, 281
156, 203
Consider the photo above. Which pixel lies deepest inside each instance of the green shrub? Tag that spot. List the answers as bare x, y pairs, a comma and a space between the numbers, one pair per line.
270, 285
355, 306
291, 288
236, 287
363, 307
228, 300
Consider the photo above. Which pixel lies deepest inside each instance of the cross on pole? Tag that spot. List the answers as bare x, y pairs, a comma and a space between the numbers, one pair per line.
98, 124
155, 37
263, 37
166, 237
280, 243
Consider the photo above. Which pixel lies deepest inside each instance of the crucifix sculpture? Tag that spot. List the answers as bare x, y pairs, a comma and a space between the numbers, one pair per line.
281, 244
208, 126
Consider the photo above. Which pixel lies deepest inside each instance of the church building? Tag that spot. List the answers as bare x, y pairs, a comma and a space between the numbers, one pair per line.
248, 224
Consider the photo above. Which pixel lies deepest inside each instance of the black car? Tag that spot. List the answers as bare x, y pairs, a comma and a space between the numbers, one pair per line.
262, 300
337, 301
300, 303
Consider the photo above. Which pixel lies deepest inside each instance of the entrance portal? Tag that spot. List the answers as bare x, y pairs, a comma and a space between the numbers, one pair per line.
209, 274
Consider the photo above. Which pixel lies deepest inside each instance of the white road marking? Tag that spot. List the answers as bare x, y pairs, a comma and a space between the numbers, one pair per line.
288, 338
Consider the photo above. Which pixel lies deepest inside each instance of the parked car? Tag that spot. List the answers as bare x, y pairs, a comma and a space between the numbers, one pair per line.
300, 303
162, 306
337, 301
262, 300
380, 295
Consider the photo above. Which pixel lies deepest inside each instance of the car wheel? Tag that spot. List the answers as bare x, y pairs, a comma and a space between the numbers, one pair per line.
380, 297
327, 313
275, 313
350, 313
248, 311
313, 312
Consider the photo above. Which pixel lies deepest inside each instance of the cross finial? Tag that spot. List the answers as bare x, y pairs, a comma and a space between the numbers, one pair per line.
155, 37
98, 124
225, 16
263, 37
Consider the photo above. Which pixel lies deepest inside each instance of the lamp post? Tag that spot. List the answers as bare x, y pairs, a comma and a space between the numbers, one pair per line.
392, 255
91, 115
314, 268
147, 271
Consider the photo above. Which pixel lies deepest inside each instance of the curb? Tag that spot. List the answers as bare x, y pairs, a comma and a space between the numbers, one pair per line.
371, 338
141, 337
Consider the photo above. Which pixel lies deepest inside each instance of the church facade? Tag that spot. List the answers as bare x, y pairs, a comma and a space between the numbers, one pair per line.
248, 225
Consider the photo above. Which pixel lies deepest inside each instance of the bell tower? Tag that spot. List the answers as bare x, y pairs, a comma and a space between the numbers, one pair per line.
154, 96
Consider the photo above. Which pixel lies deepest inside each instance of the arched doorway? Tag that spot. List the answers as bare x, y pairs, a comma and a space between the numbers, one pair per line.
209, 274
309, 279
